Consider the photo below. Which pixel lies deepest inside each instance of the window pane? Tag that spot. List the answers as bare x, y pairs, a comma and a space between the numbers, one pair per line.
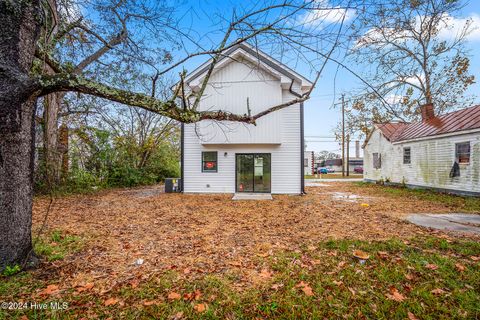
462, 152
209, 161
377, 161
406, 155
209, 156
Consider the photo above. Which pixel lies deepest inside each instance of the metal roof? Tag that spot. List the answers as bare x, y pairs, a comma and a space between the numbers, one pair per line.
461, 120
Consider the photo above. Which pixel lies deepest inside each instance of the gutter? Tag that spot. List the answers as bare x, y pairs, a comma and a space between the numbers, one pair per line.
302, 151
182, 159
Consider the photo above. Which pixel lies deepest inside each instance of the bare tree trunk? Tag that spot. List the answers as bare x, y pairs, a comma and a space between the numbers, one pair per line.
20, 24
63, 150
50, 137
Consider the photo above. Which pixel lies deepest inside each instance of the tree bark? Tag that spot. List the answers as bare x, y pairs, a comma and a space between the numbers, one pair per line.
50, 137
63, 150
20, 23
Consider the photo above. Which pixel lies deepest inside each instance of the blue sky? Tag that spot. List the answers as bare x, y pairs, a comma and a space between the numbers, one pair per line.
320, 115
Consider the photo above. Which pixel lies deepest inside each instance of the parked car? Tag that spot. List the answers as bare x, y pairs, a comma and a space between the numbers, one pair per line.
331, 170
358, 170
323, 170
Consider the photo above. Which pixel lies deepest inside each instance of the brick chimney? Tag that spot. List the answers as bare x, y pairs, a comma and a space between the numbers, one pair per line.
427, 111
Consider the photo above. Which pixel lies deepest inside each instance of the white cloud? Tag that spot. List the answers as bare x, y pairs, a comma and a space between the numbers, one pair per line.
452, 27
393, 98
325, 13
449, 29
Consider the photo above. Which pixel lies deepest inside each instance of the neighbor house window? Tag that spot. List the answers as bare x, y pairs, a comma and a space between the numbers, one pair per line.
209, 161
407, 155
305, 162
377, 160
462, 152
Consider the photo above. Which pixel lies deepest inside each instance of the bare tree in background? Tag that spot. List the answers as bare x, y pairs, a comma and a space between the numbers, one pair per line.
88, 45
412, 55
24, 77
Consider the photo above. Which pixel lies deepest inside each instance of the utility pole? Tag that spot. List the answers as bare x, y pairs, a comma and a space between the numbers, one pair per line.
343, 135
348, 155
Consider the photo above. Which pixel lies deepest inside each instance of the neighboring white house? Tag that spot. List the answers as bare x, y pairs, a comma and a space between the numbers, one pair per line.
308, 162
229, 157
439, 152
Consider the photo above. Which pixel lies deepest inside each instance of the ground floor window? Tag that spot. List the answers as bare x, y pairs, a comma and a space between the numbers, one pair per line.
209, 161
377, 160
407, 155
462, 152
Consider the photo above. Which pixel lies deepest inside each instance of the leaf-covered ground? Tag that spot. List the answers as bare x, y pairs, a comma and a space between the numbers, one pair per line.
140, 253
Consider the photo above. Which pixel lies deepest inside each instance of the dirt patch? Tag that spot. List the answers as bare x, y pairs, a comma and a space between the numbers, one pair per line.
198, 234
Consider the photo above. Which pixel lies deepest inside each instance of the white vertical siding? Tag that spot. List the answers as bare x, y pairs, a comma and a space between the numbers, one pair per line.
228, 89
277, 133
431, 162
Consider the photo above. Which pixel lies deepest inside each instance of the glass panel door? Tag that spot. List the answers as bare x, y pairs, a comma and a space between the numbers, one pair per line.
253, 172
244, 164
262, 177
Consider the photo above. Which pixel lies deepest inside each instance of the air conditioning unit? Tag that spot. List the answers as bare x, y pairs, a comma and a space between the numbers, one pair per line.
173, 185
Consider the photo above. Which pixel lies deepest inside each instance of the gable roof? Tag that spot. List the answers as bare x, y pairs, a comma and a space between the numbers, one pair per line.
255, 55
457, 121
391, 129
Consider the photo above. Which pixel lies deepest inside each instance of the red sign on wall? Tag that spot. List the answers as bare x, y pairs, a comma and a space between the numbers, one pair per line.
210, 165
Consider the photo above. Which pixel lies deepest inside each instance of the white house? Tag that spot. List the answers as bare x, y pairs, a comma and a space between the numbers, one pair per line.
438, 152
308, 163
230, 157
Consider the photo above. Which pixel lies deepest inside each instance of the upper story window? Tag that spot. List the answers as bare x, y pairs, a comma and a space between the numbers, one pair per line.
377, 160
462, 152
209, 161
305, 162
407, 155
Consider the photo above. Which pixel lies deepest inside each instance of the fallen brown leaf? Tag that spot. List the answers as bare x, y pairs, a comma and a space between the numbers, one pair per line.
201, 307
382, 254
474, 258
111, 302
50, 289
338, 283
174, 296
431, 266
437, 291
395, 295
265, 274
85, 287
361, 254
460, 267
411, 316
276, 286
305, 287
134, 283
352, 291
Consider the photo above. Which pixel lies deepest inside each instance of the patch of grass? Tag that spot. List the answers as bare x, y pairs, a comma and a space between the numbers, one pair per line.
56, 245
342, 286
11, 270
467, 204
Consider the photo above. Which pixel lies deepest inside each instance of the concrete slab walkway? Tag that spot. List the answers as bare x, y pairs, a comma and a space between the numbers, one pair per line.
451, 222
252, 196
311, 182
